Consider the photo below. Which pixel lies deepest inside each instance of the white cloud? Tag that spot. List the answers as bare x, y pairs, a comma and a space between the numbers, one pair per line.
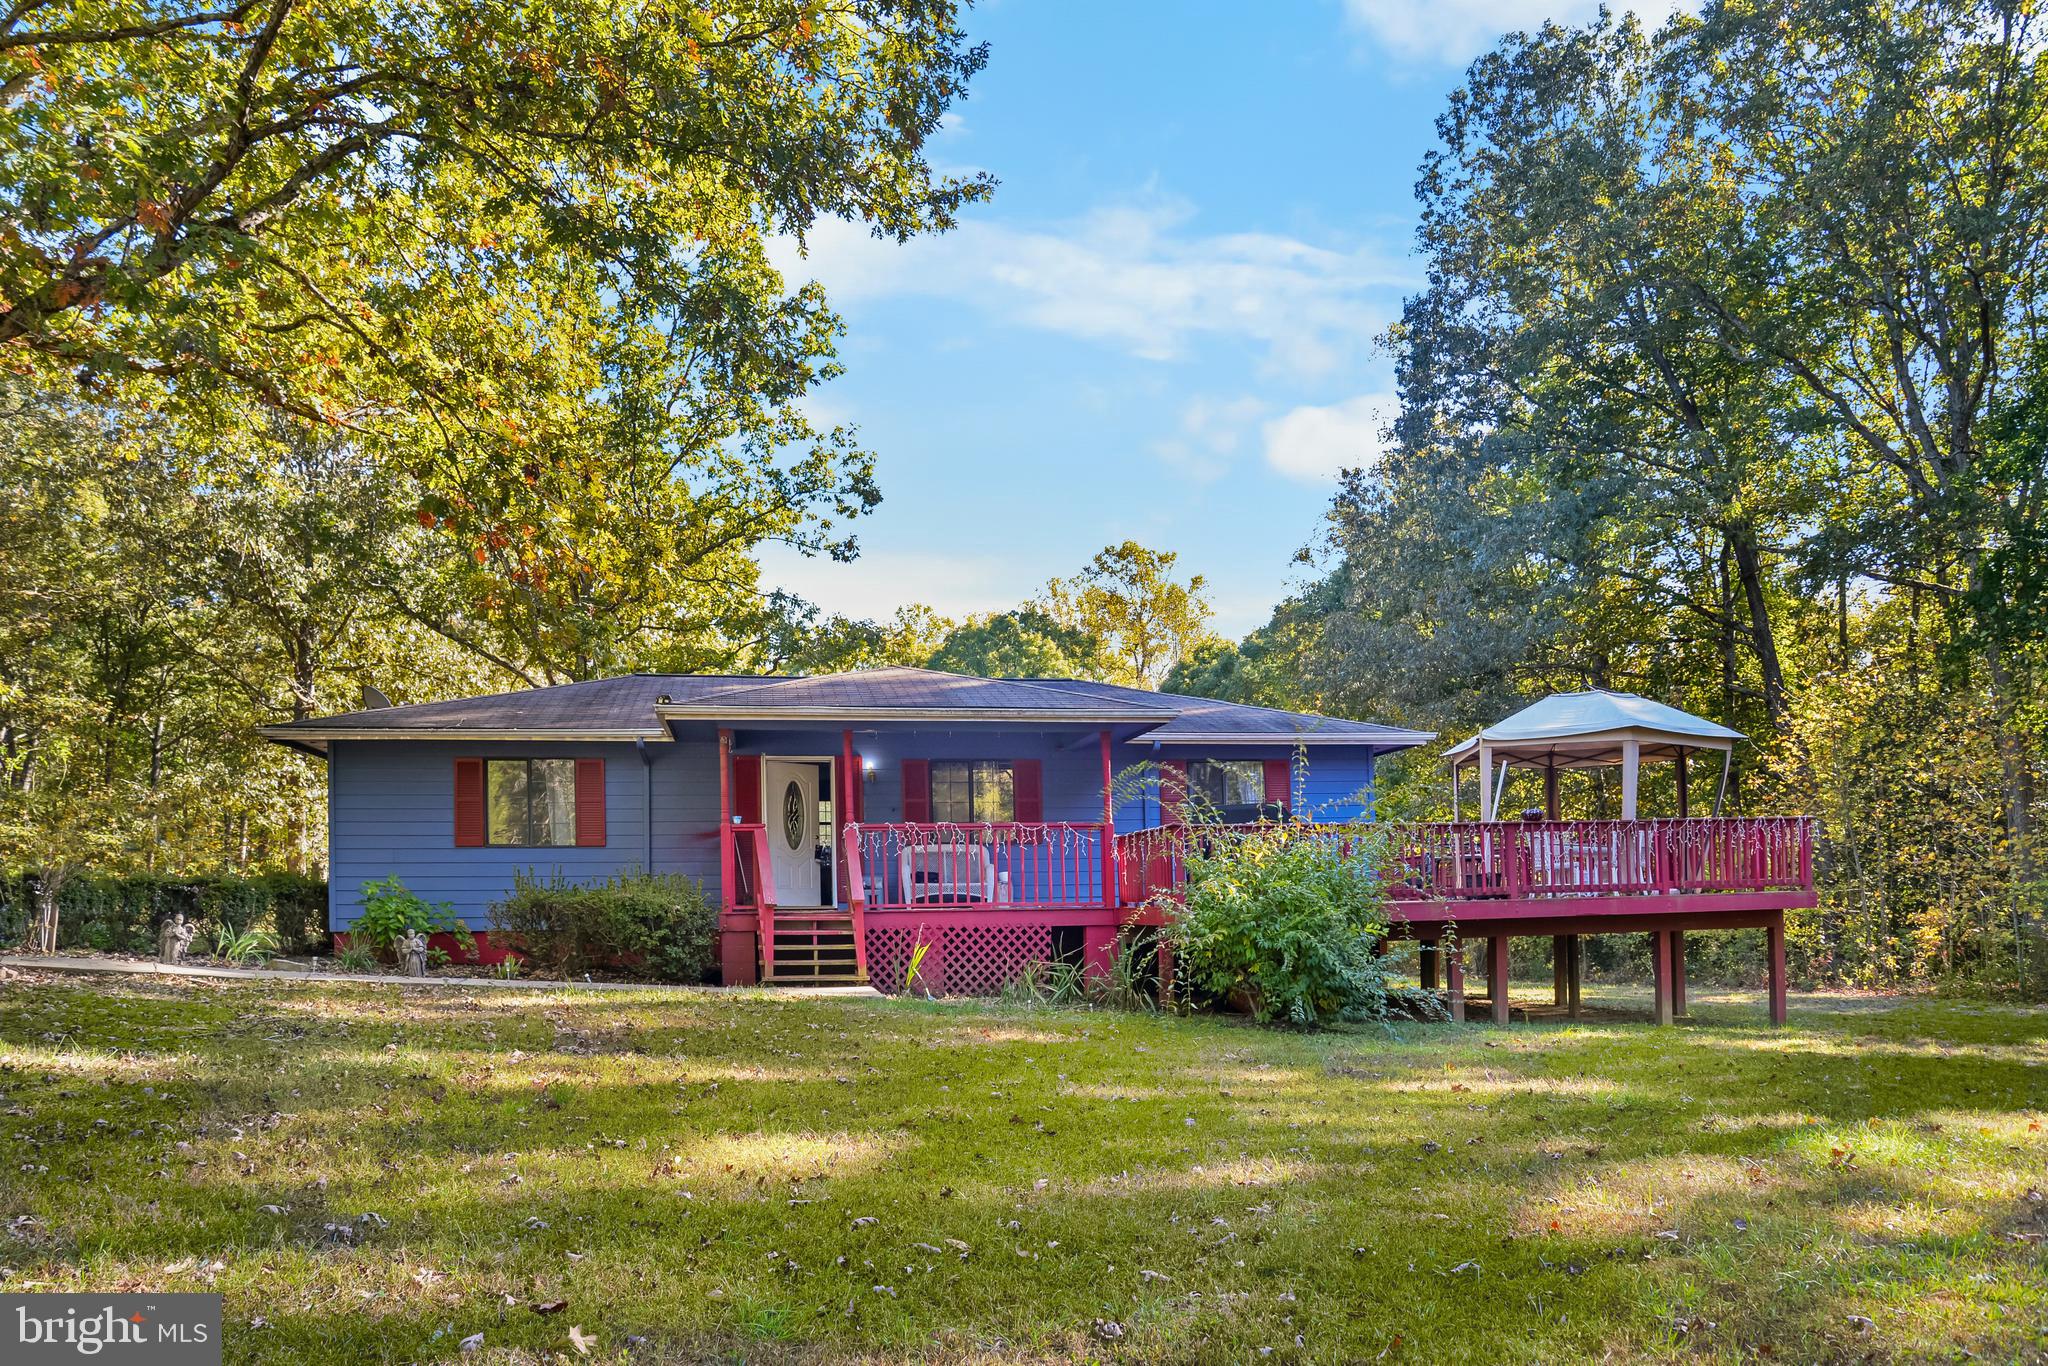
1455, 31
880, 581
1314, 444
1210, 433
1129, 276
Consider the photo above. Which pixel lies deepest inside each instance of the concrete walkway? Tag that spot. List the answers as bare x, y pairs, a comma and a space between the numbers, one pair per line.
143, 967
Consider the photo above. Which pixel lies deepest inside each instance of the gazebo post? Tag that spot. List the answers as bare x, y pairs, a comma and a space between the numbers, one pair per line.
1485, 781
1457, 767
1727, 763
1679, 771
1553, 805
1631, 775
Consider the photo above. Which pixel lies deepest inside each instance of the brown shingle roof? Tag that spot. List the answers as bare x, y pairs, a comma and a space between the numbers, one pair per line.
638, 705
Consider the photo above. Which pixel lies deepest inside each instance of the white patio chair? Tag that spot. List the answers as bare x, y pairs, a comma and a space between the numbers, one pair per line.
954, 873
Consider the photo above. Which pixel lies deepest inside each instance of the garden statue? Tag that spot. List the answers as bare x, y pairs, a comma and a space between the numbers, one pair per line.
175, 937
412, 953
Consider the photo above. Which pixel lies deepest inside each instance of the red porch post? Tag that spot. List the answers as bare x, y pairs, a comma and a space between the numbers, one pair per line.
725, 851
1497, 977
1776, 934
1660, 976
842, 812
738, 964
1454, 979
1109, 887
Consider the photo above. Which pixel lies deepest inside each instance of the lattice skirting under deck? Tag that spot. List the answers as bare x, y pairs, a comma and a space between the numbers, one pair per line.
963, 960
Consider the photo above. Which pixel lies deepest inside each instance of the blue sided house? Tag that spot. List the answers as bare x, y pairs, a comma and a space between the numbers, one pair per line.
840, 821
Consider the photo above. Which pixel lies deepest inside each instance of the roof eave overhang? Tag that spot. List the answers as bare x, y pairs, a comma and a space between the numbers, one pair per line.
953, 714
294, 734
1385, 742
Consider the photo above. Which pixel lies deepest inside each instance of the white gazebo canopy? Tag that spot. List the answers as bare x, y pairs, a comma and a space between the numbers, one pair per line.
1587, 730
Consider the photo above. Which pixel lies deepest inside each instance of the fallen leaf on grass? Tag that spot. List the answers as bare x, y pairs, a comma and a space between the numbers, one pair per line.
579, 1341
551, 1307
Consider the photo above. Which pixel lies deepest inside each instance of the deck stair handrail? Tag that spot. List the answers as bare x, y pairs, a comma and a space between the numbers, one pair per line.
754, 877
1459, 860
856, 898
903, 865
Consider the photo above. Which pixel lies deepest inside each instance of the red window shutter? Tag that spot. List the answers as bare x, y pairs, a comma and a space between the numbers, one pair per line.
1027, 778
590, 803
469, 801
746, 788
1173, 790
1279, 782
917, 790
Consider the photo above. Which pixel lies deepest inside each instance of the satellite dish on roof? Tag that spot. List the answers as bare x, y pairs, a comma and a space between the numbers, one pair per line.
373, 697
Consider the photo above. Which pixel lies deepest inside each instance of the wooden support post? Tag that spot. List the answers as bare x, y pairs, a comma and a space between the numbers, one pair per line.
1679, 772
842, 813
1553, 804
1109, 887
1165, 976
727, 873
1497, 977
1426, 953
1560, 969
1575, 952
1660, 976
1454, 979
1776, 935
1678, 974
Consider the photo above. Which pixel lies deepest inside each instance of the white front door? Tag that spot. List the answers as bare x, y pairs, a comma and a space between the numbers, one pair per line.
790, 794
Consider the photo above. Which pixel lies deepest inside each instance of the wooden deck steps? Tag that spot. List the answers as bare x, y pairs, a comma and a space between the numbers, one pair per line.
813, 947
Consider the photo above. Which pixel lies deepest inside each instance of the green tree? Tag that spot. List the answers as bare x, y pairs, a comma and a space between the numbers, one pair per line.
1024, 642
1128, 599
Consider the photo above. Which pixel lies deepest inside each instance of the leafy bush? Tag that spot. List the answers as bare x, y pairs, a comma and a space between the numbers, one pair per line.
1283, 921
662, 922
390, 912
122, 914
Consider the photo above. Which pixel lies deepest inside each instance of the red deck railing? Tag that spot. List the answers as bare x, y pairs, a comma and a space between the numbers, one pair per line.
901, 866
1471, 860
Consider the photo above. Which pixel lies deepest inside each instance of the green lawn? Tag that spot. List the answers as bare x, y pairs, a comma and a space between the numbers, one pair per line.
375, 1175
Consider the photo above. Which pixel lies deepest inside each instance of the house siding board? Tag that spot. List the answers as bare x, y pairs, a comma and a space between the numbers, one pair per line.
391, 812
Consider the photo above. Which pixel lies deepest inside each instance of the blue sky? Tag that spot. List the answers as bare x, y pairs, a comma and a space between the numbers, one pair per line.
1165, 325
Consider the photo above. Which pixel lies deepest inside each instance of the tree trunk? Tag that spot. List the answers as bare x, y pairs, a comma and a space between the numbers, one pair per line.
1749, 569
1731, 674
